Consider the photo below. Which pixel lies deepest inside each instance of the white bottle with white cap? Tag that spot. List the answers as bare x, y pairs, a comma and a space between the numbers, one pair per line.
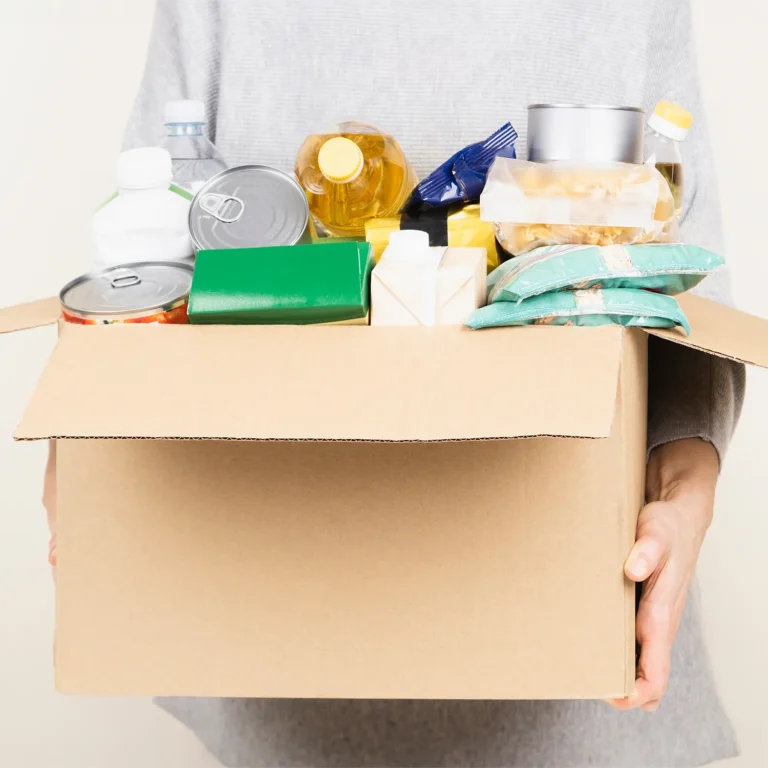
146, 220
415, 284
195, 158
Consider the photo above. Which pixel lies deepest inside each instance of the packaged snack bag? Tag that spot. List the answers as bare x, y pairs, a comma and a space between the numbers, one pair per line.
461, 178
622, 306
567, 203
669, 269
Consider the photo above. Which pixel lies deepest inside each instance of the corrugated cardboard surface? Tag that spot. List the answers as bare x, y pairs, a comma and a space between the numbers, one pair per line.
721, 331
30, 315
310, 383
632, 410
473, 570
456, 570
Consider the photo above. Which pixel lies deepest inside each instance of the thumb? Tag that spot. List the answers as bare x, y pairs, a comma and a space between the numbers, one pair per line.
645, 558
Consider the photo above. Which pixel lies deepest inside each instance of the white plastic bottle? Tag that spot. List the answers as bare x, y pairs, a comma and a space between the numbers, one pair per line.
195, 159
146, 220
667, 129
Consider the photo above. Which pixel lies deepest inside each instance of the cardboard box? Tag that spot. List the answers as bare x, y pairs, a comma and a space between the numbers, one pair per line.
343, 512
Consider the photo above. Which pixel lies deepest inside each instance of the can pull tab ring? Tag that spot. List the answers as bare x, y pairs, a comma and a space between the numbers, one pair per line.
215, 204
124, 278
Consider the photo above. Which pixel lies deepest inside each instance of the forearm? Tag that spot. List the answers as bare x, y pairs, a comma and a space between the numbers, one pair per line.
692, 395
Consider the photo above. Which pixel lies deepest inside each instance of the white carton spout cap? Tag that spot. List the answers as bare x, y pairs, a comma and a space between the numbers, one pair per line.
185, 112
144, 168
408, 243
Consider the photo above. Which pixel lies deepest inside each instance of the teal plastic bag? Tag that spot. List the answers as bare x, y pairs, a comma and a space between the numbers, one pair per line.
597, 306
663, 268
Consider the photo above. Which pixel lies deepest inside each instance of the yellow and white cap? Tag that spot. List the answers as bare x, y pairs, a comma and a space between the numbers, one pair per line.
340, 160
671, 120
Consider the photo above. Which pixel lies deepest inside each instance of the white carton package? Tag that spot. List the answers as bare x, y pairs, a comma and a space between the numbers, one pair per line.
415, 284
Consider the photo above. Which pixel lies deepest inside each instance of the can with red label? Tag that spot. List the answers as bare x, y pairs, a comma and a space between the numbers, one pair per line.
147, 292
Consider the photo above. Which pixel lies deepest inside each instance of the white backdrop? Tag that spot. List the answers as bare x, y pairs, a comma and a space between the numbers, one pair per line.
70, 69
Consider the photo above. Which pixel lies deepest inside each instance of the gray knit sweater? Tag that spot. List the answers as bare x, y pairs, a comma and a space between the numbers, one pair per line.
439, 74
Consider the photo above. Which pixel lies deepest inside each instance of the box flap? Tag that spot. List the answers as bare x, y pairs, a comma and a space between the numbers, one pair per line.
31, 315
722, 331
332, 383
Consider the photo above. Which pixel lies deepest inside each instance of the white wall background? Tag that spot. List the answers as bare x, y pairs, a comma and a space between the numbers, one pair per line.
69, 71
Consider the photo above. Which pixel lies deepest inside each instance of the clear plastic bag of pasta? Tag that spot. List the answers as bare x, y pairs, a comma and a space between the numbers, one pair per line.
567, 203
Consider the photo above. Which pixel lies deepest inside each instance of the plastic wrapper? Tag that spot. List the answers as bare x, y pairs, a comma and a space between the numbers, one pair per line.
457, 227
564, 203
659, 267
629, 307
461, 178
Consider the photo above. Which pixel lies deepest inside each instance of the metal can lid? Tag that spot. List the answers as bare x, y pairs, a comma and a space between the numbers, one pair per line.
250, 206
129, 288
608, 107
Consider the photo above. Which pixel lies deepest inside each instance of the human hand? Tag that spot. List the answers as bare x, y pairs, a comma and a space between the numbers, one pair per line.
680, 492
49, 499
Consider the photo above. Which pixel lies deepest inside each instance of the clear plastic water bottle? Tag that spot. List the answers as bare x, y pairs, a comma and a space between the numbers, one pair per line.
195, 158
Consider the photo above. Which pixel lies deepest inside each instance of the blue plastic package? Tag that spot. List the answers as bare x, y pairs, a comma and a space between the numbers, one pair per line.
461, 178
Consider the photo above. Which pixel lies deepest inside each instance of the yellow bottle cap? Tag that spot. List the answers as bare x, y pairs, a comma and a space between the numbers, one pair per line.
340, 160
672, 113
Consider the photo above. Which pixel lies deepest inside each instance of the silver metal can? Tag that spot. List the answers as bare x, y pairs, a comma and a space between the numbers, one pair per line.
585, 133
250, 206
144, 292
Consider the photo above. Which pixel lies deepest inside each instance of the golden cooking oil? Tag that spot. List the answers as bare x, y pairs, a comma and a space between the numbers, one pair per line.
353, 174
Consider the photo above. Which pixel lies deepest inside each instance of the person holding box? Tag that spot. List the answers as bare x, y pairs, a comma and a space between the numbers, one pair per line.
439, 74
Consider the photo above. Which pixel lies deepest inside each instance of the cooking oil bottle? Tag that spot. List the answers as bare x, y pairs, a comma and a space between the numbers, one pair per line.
351, 174
668, 128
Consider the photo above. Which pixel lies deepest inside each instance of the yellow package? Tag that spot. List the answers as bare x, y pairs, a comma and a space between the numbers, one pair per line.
457, 228
566, 203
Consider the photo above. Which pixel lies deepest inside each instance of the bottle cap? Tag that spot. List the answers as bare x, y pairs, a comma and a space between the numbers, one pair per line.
340, 160
189, 112
144, 168
671, 120
408, 239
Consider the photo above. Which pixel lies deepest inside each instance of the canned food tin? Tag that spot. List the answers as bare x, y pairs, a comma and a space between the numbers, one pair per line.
148, 292
251, 206
585, 133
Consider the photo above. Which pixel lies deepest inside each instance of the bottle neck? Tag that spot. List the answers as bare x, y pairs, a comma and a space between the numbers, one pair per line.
660, 136
185, 129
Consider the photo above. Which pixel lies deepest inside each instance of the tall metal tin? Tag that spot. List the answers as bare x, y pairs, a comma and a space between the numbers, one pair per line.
585, 133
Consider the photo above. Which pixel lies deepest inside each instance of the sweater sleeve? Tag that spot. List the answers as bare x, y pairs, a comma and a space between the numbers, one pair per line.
182, 63
691, 394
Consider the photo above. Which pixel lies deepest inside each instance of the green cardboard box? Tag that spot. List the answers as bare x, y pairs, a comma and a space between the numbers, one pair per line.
286, 285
